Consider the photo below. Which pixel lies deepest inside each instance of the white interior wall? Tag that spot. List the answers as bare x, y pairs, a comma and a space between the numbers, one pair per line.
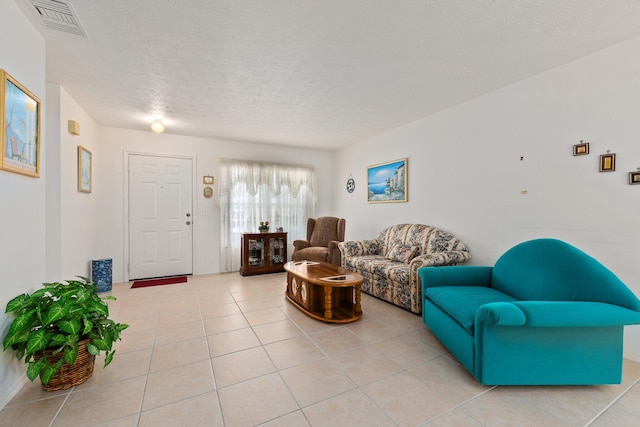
466, 176
53, 225
80, 213
117, 143
22, 198
72, 217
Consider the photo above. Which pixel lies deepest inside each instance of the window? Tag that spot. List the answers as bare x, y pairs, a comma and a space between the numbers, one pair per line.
250, 192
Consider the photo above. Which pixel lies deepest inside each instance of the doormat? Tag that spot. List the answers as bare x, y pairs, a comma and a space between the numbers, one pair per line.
157, 282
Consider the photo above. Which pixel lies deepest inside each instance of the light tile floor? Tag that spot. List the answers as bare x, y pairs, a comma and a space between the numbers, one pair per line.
226, 350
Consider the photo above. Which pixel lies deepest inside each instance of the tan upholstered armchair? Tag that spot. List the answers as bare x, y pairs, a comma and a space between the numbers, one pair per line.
323, 236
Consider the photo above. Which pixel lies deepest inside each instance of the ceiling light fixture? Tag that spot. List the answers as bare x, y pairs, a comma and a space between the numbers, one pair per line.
157, 126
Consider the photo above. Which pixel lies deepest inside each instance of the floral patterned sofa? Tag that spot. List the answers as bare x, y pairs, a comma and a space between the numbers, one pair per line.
390, 263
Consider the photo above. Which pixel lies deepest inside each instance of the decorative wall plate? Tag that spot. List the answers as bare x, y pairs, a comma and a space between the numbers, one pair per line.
351, 184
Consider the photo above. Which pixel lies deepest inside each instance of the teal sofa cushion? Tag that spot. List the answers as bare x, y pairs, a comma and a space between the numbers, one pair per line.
462, 302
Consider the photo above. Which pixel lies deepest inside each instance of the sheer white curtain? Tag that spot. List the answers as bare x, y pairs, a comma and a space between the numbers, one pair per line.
250, 192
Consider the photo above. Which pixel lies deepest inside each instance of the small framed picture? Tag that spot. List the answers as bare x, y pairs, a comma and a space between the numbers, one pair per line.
84, 170
608, 162
208, 192
581, 149
207, 180
634, 177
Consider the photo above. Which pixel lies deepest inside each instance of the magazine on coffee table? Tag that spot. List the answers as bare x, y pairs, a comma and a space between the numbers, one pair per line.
340, 278
306, 263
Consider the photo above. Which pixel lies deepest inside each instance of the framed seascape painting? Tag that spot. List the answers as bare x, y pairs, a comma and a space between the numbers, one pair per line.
20, 112
387, 182
84, 170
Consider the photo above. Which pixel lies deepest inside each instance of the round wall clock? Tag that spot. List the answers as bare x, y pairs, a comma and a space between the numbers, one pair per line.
351, 184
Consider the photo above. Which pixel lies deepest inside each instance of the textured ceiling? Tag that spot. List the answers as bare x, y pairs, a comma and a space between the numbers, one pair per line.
312, 73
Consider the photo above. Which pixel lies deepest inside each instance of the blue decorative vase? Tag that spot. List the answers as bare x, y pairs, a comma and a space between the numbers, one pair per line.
101, 274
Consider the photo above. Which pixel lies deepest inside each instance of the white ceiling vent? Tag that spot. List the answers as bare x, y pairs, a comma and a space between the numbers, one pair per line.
58, 15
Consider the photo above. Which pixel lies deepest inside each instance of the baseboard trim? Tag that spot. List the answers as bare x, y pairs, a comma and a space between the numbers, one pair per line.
11, 392
632, 356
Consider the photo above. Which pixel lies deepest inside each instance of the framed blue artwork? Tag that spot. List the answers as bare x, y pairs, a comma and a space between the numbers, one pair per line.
387, 182
84, 170
20, 112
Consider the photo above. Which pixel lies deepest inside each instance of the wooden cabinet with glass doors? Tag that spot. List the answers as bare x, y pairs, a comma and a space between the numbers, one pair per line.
263, 253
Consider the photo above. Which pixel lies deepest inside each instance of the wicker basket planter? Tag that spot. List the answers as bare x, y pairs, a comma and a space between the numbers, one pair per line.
69, 375
69, 317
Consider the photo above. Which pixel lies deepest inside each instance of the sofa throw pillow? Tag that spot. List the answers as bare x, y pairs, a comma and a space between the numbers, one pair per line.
403, 253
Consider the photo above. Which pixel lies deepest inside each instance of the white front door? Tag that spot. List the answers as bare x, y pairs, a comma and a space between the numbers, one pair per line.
160, 216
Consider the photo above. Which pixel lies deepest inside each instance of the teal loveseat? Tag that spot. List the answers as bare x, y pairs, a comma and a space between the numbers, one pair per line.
546, 313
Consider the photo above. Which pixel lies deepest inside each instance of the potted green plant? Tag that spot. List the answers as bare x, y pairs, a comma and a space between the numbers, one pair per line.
59, 326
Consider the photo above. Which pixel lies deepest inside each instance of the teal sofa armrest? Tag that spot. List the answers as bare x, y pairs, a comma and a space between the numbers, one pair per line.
556, 314
501, 313
455, 276
576, 314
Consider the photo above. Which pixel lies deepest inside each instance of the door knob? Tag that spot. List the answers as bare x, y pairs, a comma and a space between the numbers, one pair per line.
188, 214
188, 222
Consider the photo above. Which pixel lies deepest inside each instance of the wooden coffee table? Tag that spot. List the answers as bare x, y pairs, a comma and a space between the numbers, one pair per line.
324, 291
